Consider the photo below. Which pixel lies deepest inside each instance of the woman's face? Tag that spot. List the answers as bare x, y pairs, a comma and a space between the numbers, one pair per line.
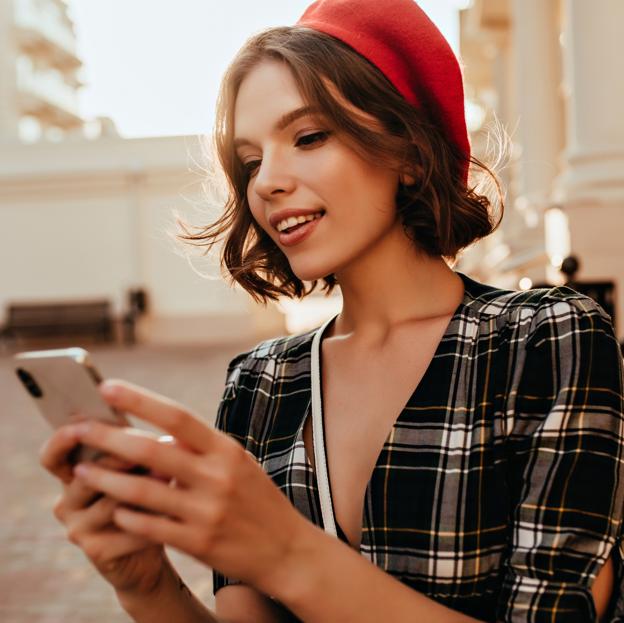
301, 166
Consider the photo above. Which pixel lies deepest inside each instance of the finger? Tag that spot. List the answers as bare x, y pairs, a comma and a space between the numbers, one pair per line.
166, 439
78, 496
109, 545
158, 529
80, 493
171, 440
91, 519
54, 453
115, 463
163, 413
142, 448
141, 491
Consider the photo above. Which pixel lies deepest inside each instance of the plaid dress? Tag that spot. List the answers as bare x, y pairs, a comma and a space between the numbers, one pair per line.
499, 491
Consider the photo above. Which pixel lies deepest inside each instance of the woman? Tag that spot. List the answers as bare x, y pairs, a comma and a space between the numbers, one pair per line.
463, 442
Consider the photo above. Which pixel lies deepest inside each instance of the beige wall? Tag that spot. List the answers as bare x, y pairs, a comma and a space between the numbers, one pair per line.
93, 218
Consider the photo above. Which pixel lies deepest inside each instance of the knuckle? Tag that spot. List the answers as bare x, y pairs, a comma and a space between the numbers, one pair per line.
218, 515
146, 449
136, 491
224, 483
229, 455
54, 453
199, 468
223, 475
238, 454
108, 505
58, 509
44, 454
98, 505
235, 455
235, 461
74, 535
48, 455
93, 550
179, 419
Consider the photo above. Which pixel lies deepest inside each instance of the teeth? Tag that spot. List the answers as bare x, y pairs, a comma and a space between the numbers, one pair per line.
292, 221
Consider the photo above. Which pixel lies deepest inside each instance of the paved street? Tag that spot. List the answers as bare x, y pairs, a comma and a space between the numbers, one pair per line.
43, 577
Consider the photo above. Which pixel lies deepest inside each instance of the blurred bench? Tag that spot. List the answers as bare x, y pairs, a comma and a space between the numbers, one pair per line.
59, 319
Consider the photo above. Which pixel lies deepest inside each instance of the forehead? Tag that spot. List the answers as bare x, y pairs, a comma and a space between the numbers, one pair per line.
267, 92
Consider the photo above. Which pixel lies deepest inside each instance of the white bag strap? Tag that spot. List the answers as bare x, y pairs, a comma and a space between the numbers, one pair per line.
318, 438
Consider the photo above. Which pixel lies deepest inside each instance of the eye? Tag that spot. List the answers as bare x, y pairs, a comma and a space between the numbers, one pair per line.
309, 139
251, 166
303, 141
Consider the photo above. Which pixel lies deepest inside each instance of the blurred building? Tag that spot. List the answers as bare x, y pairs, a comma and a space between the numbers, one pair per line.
40, 71
87, 214
551, 72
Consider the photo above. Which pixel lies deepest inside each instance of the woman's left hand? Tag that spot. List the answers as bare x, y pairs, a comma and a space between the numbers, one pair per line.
224, 510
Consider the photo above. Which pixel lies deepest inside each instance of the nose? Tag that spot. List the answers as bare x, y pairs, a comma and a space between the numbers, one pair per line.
273, 177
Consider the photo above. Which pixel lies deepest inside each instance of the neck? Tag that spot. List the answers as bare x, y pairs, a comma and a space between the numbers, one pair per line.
393, 286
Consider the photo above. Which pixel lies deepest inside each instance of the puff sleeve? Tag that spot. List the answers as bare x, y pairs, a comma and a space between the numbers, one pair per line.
566, 471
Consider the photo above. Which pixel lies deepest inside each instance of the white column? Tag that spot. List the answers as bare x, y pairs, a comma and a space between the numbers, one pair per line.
591, 188
594, 70
537, 70
540, 127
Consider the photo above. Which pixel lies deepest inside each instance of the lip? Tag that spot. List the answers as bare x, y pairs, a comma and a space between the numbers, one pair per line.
280, 215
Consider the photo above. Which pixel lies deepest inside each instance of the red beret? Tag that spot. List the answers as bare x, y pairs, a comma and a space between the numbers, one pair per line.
406, 46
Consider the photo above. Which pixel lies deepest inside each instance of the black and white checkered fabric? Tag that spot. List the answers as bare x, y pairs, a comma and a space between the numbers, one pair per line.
500, 489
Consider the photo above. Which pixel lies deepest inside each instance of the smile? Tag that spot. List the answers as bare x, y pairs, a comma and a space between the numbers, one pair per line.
293, 231
290, 224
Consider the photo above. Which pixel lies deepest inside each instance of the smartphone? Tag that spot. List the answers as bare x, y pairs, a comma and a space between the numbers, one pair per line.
63, 384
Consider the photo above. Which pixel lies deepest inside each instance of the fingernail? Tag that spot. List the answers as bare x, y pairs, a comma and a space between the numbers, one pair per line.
82, 428
70, 431
81, 469
107, 388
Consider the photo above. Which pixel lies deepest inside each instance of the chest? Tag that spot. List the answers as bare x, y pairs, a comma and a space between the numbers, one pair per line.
362, 396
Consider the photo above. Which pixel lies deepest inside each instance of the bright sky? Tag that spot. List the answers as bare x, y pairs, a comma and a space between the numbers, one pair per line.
154, 66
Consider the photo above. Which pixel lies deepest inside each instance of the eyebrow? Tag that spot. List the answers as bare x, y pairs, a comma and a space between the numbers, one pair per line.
282, 123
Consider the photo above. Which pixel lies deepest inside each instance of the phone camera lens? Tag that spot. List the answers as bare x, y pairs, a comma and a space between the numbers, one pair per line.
29, 383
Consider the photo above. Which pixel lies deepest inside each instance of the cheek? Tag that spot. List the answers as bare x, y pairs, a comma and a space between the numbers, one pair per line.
344, 173
366, 193
257, 211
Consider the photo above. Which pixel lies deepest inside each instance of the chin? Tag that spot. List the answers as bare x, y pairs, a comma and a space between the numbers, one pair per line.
311, 273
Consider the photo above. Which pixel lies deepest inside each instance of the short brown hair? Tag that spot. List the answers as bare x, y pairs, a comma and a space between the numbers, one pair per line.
439, 213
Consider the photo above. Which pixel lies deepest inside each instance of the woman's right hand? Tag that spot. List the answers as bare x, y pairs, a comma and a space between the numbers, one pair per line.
131, 564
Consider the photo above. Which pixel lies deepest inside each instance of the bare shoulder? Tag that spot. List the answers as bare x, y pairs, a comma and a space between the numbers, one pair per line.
239, 603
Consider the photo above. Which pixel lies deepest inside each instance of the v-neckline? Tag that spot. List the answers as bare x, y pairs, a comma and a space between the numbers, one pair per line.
320, 468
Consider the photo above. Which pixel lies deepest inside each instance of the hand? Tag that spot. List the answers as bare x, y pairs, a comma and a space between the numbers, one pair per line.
129, 562
224, 510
